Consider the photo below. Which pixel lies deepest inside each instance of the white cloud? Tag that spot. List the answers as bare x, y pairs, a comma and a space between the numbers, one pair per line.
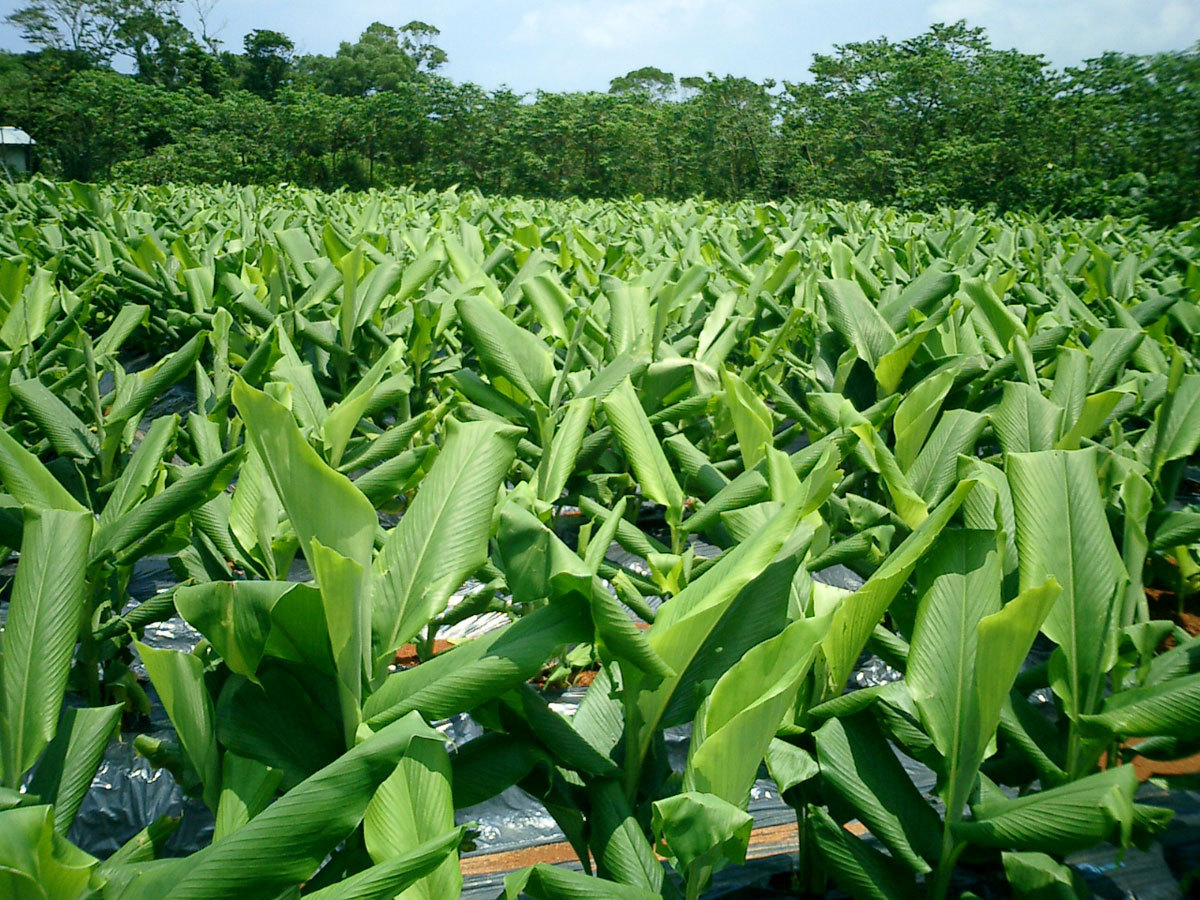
614, 25
1068, 31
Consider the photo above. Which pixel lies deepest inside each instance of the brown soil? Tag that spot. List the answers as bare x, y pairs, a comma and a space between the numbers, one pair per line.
406, 656
1164, 604
764, 842
1154, 768
584, 678
1190, 622
510, 861
578, 678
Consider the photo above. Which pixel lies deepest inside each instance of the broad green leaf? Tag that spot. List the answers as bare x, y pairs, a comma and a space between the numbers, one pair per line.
1136, 497
1067, 818
857, 320
789, 765
150, 384
1004, 641
284, 845
696, 827
480, 669
506, 349
320, 503
859, 767
296, 376
1096, 410
933, 472
1063, 533
999, 315
1109, 351
179, 680
1025, 420
394, 877
67, 434
958, 585
37, 863
254, 510
1180, 433
292, 717
442, 538
491, 763
69, 764
413, 806
622, 851
47, 608
247, 620
550, 300
546, 882
935, 283
139, 472
29, 481
340, 581
738, 720
915, 414
857, 617
751, 418
858, 868
642, 449
558, 460
148, 844
889, 373
910, 506
1036, 876
1171, 707
195, 487
540, 566
683, 623
339, 425
247, 787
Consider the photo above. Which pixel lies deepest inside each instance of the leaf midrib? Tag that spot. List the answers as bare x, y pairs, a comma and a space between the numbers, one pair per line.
429, 533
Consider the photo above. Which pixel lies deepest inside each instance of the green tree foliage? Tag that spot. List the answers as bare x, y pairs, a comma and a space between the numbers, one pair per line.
943, 118
88, 27
267, 61
383, 59
647, 80
417, 40
152, 34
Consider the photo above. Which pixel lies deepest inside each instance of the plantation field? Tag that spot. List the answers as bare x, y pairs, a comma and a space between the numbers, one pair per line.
629, 442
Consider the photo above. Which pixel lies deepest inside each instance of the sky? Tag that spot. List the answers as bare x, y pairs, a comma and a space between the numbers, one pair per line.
580, 44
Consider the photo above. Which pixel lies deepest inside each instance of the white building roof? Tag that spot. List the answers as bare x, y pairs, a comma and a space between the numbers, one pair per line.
11, 135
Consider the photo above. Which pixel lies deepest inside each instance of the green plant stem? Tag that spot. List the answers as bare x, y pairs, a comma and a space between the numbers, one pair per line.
951, 850
698, 876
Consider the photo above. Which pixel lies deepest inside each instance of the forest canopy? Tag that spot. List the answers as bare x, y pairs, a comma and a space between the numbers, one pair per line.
942, 118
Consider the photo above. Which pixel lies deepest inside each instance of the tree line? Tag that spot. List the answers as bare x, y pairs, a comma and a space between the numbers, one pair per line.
941, 118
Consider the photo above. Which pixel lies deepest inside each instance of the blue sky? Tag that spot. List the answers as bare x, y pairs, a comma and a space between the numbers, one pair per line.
581, 44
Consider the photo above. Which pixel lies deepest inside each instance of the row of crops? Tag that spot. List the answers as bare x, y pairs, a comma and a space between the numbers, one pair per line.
353, 421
